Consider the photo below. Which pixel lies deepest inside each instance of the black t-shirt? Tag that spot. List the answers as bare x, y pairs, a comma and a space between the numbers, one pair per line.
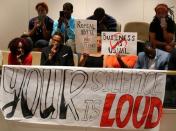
108, 23
38, 34
156, 28
93, 61
63, 57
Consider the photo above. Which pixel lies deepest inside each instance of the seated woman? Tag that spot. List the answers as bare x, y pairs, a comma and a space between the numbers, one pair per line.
20, 49
93, 60
162, 28
110, 61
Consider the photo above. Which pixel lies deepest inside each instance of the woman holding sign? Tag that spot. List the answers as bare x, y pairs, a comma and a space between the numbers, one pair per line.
93, 60
109, 61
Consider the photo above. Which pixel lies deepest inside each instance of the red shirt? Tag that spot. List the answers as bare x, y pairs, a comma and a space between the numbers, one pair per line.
27, 60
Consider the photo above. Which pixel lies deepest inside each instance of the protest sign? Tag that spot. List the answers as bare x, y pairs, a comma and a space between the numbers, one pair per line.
72, 96
119, 42
85, 36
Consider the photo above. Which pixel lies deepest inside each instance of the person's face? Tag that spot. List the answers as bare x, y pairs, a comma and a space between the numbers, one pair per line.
41, 11
20, 48
56, 40
67, 11
161, 13
99, 17
99, 43
150, 52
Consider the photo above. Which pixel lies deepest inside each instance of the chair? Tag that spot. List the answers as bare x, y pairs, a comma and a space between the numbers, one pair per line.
118, 27
5, 54
142, 29
36, 56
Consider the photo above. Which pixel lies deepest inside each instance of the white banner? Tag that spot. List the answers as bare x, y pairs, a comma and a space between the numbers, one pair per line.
119, 42
97, 97
85, 36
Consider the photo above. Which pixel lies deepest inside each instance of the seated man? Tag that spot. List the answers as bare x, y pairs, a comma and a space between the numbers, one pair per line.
104, 21
152, 58
162, 28
57, 53
66, 25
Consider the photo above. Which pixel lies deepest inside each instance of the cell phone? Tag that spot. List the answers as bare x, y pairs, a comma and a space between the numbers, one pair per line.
62, 14
40, 18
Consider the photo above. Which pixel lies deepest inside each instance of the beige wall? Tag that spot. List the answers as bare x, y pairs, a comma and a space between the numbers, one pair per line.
15, 14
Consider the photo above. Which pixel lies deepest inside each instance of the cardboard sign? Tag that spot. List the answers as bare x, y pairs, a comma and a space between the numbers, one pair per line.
119, 42
85, 36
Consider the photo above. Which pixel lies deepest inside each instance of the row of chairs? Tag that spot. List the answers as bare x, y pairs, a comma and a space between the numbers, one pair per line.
142, 29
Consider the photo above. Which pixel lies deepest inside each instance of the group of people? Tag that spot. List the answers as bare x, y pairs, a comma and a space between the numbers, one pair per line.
42, 31
54, 37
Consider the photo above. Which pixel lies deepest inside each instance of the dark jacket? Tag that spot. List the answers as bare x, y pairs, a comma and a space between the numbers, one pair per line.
63, 57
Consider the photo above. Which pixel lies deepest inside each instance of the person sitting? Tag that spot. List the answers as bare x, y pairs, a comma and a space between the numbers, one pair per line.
162, 29
151, 58
20, 49
120, 61
93, 60
40, 27
108, 61
105, 22
57, 53
66, 25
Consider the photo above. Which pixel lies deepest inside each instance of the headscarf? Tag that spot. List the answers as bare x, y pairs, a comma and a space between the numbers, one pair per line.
162, 7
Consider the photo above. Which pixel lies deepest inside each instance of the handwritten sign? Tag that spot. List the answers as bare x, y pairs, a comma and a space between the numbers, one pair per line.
119, 42
128, 99
85, 36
